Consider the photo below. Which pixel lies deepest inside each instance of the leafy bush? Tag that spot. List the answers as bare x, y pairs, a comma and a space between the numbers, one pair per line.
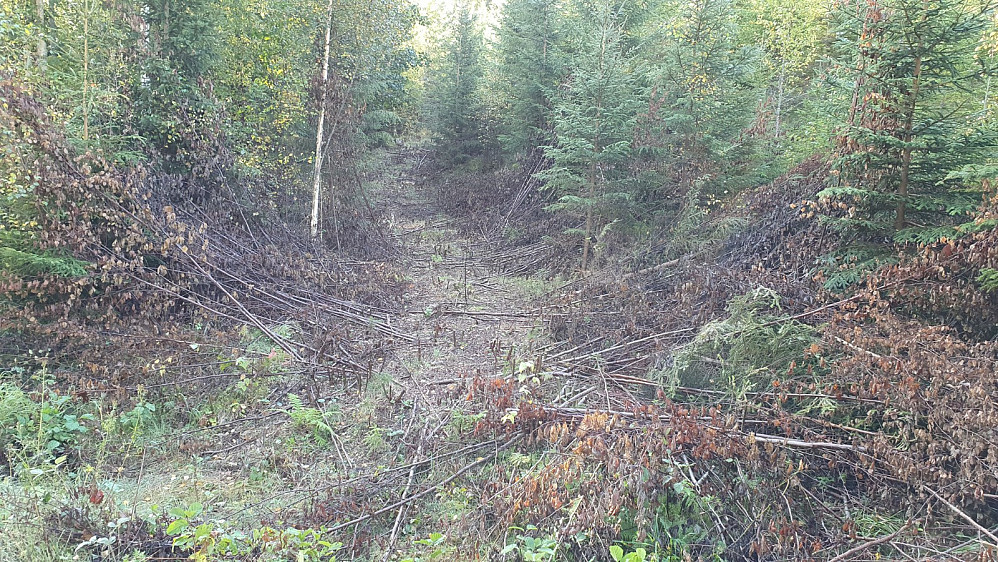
208, 539
39, 428
140, 418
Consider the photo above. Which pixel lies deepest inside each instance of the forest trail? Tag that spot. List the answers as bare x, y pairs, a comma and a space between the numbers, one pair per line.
468, 319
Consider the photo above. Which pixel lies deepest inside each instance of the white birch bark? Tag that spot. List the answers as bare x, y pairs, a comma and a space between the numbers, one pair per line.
316, 181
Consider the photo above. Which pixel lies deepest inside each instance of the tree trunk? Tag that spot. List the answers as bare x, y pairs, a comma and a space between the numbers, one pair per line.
317, 181
41, 47
908, 136
587, 243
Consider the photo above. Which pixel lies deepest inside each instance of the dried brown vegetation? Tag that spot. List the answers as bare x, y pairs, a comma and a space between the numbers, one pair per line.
158, 261
877, 436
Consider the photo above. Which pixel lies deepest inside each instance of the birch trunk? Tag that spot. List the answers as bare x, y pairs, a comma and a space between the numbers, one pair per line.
42, 46
317, 179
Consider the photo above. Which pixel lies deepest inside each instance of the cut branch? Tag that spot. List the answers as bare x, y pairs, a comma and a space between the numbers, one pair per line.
868, 545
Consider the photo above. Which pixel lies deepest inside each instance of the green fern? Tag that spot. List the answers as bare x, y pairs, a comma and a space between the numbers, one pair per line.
310, 418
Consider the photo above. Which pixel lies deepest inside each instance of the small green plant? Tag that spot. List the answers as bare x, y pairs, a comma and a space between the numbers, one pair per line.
43, 428
261, 354
304, 544
532, 549
202, 539
434, 544
463, 423
636, 555
212, 540
57, 427
14, 406
313, 419
531, 287
107, 541
140, 418
375, 441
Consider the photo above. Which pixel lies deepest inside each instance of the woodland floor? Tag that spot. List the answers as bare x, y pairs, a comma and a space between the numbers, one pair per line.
288, 450
466, 321
422, 406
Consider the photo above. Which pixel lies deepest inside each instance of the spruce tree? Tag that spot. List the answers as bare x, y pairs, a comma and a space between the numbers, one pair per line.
454, 103
915, 116
594, 117
528, 73
706, 90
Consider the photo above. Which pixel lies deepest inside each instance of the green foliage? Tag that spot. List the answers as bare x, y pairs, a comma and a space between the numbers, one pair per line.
20, 231
845, 268
704, 91
637, 555
462, 423
206, 92
453, 101
26, 264
530, 548
39, 429
529, 67
915, 81
374, 440
14, 407
140, 418
594, 117
678, 525
791, 37
18, 35
435, 546
988, 280
744, 352
312, 419
213, 540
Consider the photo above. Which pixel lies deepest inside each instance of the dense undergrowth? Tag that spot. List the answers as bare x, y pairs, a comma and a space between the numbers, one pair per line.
732, 406
135, 328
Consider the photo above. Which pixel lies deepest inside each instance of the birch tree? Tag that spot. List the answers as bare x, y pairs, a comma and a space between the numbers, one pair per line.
317, 172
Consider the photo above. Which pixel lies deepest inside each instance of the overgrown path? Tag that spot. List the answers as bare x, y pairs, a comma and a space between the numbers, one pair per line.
468, 320
464, 321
